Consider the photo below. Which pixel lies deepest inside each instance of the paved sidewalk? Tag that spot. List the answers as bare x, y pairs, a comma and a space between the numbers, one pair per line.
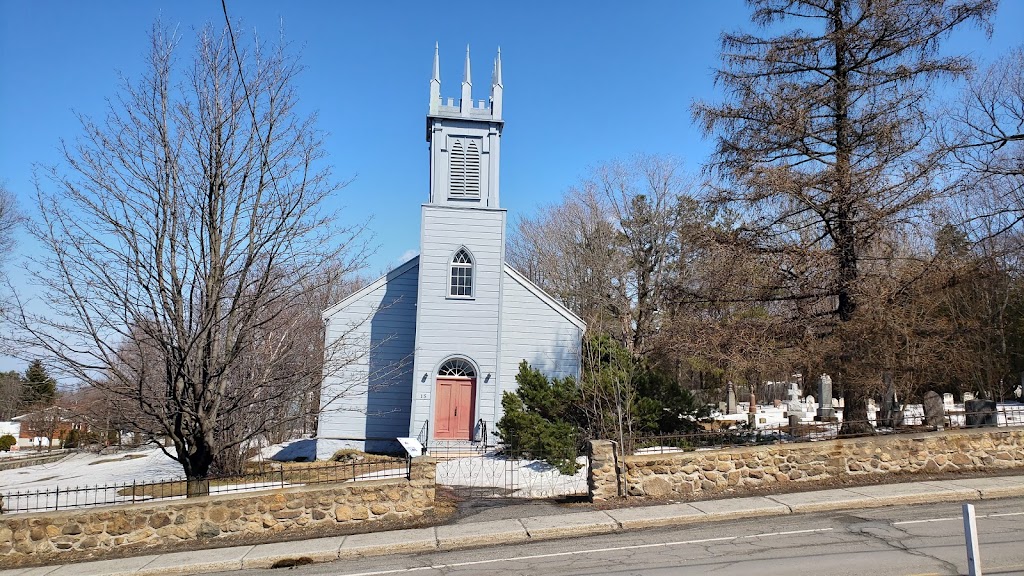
507, 531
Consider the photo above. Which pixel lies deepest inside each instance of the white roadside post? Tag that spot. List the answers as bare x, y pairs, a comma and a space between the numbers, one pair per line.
971, 535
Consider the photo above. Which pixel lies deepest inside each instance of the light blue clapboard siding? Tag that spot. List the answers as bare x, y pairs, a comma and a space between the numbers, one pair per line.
449, 327
535, 329
368, 396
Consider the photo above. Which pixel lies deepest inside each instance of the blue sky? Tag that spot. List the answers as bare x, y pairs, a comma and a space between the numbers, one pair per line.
585, 82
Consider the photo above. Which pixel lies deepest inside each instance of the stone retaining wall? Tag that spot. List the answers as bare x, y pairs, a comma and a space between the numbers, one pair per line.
238, 518
689, 473
23, 461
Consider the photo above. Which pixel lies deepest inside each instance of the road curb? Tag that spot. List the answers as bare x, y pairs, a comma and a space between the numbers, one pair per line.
539, 528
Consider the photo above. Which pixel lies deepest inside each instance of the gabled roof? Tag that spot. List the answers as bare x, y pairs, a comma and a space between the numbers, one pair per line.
394, 273
414, 262
554, 304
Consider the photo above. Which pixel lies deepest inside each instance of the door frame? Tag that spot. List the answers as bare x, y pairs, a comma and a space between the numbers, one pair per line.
476, 378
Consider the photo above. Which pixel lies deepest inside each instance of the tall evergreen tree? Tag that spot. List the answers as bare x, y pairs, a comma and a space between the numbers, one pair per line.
38, 387
819, 140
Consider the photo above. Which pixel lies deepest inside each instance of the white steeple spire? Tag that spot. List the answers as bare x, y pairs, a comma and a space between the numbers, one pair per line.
467, 87
496, 88
435, 83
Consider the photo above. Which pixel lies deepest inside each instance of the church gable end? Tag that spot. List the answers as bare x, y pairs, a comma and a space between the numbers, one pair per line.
445, 333
368, 365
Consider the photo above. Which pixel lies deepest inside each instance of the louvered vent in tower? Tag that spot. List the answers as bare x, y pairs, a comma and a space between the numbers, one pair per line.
464, 169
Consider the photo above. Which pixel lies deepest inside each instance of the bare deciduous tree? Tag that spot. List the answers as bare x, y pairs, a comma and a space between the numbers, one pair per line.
185, 234
988, 123
10, 217
614, 246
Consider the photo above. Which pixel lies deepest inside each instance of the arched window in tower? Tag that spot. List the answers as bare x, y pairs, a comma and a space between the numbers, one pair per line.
464, 168
461, 285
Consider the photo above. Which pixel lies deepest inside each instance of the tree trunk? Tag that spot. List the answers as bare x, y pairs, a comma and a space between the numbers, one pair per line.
855, 413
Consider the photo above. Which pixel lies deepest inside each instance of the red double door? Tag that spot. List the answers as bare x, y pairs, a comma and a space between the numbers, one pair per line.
453, 408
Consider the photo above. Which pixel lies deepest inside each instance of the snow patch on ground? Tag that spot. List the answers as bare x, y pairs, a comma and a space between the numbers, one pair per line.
298, 450
525, 478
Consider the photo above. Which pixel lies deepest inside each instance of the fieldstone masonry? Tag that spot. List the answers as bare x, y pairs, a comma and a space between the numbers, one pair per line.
81, 534
689, 473
604, 470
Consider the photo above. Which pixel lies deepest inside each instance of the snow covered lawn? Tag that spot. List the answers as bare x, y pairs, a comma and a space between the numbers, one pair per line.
86, 469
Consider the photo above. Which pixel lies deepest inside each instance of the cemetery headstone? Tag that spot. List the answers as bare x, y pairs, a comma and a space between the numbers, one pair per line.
794, 393
794, 423
891, 412
872, 410
825, 410
980, 413
730, 398
947, 400
934, 415
752, 413
968, 396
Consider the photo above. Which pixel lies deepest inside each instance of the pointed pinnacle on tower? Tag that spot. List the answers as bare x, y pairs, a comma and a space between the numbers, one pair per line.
435, 83
437, 63
497, 68
467, 88
496, 88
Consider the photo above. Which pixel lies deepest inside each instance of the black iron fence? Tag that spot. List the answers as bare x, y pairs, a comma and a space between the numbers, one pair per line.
815, 431
266, 476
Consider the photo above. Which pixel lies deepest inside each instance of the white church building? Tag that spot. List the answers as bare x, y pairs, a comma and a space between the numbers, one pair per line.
427, 350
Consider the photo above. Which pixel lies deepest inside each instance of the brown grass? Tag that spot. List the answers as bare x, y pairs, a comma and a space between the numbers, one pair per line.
121, 459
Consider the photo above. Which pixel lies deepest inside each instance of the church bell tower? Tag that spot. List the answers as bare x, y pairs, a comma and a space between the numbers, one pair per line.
461, 265
465, 141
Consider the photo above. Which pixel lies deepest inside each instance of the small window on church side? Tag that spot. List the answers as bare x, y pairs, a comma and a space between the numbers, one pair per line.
464, 168
462, 275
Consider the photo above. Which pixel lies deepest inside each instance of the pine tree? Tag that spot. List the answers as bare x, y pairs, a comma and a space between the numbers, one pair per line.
38, 386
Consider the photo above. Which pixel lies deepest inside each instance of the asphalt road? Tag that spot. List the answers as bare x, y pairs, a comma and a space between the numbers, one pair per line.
926, 539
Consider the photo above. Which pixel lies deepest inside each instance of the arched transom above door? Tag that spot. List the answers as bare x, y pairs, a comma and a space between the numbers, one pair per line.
458, 368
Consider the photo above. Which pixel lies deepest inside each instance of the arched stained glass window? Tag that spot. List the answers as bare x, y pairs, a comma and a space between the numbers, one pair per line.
462, 275
457, 367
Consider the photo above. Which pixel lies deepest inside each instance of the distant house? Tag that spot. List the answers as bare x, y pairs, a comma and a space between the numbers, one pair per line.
11, 428
428, 349
48, 427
